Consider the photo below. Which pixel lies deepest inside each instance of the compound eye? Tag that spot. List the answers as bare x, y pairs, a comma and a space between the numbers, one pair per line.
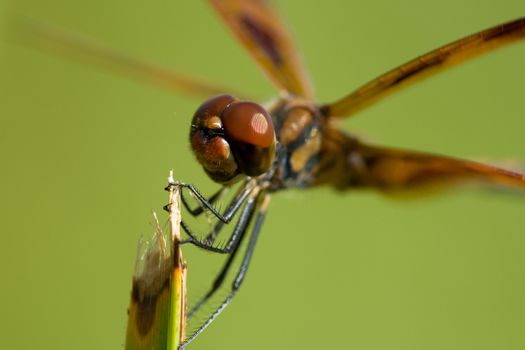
248, 122
208, 114
215, 156
250, 133
208, 143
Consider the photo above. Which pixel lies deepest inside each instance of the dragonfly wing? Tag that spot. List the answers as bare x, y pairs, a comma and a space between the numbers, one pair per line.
426, 65
263, 34
395, 169
346, 163
58, 41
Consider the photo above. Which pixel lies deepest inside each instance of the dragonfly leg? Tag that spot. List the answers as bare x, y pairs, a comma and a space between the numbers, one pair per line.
217, 283
234, 205
239, 278
240, 227
200, 209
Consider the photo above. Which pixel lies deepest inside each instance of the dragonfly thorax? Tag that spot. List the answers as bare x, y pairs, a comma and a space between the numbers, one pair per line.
231, 138
298, 127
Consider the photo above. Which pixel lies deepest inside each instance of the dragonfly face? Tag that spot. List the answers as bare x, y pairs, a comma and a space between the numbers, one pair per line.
231, 138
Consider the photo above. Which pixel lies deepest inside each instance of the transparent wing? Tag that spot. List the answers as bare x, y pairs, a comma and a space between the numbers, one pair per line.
263, 34
58, 41
427, 65
395, 169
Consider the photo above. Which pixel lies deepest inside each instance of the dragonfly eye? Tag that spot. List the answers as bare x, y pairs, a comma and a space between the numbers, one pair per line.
207, 140
250, 133
231, 137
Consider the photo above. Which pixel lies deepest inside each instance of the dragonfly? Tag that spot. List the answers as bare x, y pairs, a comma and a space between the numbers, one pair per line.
291, 141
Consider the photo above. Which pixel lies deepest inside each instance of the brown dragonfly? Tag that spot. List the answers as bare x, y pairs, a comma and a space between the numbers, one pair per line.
291, 141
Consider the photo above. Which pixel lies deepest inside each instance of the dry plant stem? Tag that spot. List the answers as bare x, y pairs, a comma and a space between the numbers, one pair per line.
174, 213
177, 327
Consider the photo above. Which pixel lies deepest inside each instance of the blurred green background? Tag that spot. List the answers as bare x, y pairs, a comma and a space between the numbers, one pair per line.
85, 155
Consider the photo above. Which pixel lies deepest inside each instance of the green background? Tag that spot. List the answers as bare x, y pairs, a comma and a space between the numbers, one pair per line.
85, 155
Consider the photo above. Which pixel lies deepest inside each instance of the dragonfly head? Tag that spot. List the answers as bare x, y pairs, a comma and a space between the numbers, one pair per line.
231, 138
